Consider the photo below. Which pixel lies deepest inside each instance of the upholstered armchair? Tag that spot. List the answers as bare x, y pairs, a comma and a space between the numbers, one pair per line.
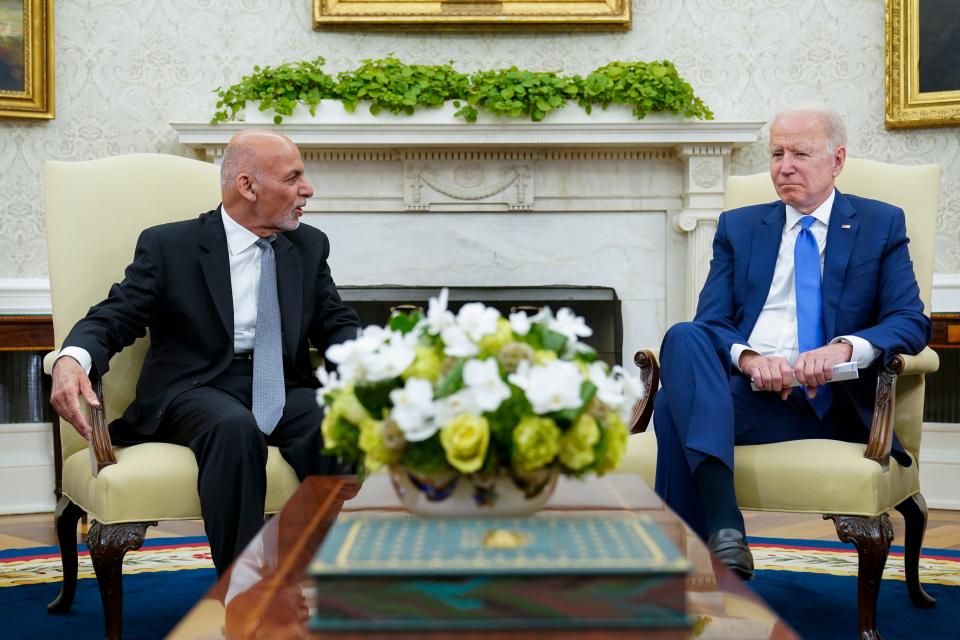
855, 485
95, 211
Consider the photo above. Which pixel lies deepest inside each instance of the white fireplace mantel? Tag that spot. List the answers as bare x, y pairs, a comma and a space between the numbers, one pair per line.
646, 195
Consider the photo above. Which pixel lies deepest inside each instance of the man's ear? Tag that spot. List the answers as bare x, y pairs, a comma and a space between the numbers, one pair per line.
246, 187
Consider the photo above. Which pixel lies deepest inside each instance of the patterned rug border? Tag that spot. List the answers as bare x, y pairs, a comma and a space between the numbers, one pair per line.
42, 564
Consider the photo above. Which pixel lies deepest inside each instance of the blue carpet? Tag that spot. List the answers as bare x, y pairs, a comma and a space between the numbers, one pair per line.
824, 606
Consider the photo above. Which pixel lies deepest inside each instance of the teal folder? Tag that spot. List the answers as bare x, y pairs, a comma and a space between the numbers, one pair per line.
580, 571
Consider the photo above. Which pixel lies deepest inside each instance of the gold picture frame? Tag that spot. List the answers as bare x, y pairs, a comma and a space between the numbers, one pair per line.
26, 59
922, 90
556, 15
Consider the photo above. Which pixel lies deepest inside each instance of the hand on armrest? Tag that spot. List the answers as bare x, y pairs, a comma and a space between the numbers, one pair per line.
70, 382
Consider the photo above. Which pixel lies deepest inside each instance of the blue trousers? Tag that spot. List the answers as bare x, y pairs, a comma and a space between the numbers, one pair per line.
705, 407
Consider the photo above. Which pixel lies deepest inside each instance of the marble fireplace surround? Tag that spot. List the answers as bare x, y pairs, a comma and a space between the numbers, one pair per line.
630, 205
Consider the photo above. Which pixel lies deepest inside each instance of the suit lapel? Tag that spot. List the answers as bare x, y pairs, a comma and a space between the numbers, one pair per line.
764, 247
840, 238
216, 268
290, 292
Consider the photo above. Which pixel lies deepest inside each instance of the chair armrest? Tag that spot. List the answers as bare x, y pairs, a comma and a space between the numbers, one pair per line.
646, 359
101, 446
884, 406
927, 361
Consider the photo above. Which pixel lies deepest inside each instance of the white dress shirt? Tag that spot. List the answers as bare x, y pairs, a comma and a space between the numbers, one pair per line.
244, 257
775, 333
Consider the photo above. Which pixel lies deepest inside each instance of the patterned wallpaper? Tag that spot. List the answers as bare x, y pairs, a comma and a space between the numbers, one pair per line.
126, 68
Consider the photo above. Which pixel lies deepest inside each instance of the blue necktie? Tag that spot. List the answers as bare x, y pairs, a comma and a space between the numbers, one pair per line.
806, 265
269, 393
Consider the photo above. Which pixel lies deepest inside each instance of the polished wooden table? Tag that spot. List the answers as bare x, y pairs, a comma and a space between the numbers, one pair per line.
268, 594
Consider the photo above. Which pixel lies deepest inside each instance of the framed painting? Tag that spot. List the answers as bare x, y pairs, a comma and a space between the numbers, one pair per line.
922, 63
26, 59
557, 15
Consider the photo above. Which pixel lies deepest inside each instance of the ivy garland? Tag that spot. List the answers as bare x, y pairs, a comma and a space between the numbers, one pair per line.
391, 85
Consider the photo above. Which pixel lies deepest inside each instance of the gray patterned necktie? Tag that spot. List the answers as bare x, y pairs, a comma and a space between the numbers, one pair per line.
269, 393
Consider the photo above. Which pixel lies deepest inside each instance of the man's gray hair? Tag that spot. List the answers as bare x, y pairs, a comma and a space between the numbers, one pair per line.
832, 122
238, 158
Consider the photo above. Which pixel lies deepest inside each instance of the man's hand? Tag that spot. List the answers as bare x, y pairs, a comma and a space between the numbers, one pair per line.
70, 381
767, 373
815, 367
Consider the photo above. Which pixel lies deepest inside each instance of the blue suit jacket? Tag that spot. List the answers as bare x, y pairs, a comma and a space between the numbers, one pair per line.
869, 288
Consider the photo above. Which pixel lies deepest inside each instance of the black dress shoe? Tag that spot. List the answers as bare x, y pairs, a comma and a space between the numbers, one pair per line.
730, 547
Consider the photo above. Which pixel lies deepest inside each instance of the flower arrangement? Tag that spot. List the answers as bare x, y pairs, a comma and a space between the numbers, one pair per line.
475, 396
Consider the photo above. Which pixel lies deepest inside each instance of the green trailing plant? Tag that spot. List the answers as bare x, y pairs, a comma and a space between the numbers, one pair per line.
391, 85
647, 87
278, 88
518, 93
397, 87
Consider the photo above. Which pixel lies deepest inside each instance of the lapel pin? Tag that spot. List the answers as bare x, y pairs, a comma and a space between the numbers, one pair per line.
844, 226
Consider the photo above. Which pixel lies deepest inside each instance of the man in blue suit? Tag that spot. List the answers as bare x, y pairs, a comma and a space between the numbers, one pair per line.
795, 287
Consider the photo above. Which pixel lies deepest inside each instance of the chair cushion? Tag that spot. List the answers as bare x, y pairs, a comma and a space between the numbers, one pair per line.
156, 481
811, 476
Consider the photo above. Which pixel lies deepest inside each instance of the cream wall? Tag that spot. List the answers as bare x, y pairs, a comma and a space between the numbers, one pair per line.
125, 68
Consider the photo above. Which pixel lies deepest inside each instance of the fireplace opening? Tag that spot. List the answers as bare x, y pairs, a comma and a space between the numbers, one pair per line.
599, 306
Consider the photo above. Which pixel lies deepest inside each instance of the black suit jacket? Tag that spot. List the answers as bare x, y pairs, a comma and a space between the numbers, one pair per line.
178, 287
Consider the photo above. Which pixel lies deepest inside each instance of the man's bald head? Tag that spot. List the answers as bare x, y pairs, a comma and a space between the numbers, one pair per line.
262, 182
244, 153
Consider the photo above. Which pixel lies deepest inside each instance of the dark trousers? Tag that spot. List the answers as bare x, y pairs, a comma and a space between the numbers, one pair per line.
215, 421
705, 408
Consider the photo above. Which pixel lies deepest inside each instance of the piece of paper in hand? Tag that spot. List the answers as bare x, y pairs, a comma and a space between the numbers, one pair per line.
841, 371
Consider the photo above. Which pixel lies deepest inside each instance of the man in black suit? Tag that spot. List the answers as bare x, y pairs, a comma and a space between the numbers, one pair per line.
196, 286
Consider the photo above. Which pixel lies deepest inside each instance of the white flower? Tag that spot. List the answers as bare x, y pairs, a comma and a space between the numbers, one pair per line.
570, 324
482, 377
520, 323
391, 358
551, 387
619, 390
477, 320
457, 343
413, 409
329, 381
438, 318
609, 388
377, 354
446, 409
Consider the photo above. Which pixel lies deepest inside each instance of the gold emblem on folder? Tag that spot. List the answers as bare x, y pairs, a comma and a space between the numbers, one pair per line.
506, 539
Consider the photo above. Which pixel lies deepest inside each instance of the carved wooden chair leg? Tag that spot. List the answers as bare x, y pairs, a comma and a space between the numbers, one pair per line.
108, 543
65, 522
872, 538
914, 512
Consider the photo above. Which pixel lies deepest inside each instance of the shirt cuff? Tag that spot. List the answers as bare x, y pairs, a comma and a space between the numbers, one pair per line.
863, 354
79, 354
736, 351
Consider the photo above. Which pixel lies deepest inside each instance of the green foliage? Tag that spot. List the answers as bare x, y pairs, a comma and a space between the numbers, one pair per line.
517, 93
399, 87
375, 396
646, 86
426, 457
452, 381
395, 86
405, 322
278, 88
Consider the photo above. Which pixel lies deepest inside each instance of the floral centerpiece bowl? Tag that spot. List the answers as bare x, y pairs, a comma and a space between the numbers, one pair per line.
475, 413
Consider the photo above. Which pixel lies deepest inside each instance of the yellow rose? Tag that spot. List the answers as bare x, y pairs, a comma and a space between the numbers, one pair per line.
616, 444
576, 445
543, 356
496, 341
536, 441
327, 428
347, 405
465, 440
372, 444
426, 364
